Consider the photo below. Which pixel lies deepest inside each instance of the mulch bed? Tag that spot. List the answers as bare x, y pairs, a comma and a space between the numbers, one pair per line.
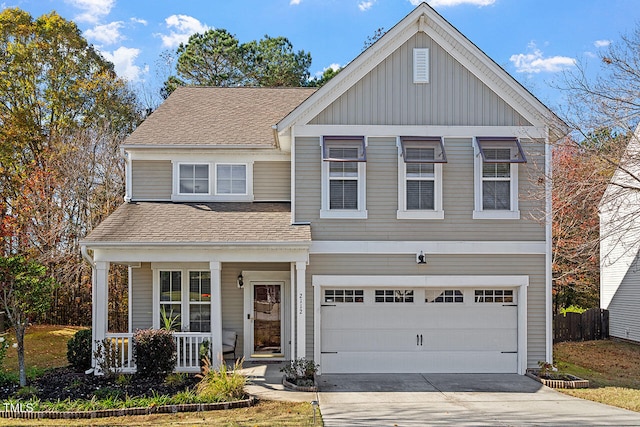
63, 383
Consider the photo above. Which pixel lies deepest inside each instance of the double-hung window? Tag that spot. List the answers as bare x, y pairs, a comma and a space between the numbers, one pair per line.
231, 179
193, 178
184, 300
343, 177
496, 176
420, 178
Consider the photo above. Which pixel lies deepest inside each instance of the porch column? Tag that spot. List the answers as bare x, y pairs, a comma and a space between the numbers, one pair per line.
301, 342
216, 313
100, 301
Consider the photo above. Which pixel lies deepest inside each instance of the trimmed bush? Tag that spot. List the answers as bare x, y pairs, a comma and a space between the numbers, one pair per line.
79, 350
154, 351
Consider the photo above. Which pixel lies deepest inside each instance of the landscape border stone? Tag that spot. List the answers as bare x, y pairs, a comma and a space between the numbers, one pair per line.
574, 382
121, 412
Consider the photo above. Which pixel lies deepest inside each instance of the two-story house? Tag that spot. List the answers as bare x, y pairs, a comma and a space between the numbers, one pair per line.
391, 221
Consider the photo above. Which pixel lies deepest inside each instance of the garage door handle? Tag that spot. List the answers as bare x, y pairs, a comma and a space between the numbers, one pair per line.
420, 339
417, 339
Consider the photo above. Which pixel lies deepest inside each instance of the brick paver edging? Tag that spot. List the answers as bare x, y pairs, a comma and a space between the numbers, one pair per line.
574, 382
162, 409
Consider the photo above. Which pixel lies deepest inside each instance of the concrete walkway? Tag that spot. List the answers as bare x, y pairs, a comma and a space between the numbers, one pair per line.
457, 400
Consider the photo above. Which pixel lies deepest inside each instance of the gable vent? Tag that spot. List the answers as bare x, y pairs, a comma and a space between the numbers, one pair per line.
421, 65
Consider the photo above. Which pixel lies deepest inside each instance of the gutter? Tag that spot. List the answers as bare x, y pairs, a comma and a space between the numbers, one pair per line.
127, 174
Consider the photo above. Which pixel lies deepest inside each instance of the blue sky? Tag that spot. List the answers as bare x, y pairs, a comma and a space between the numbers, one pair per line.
534, 40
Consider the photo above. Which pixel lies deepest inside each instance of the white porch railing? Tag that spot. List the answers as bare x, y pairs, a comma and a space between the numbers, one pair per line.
187, 350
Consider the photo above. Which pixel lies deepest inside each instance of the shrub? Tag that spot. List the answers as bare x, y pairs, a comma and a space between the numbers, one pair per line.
108, 357
220, 385
79, 350
572, 309
300, 371
154, 351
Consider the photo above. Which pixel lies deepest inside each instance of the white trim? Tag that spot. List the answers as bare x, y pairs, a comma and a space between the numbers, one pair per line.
283, 277
524, 132
216, 311
292, 320
130, 298
429, 247
301, 309
361, 212
247, 196
176, 180
549, 256
403, 212
521, 282
293, 177
479, 212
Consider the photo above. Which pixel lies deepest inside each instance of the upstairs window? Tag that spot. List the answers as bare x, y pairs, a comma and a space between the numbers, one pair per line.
496, 185
420, 178
193, 178
343, 182
231, 179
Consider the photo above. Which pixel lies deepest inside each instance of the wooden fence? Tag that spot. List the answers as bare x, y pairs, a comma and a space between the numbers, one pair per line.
593, 324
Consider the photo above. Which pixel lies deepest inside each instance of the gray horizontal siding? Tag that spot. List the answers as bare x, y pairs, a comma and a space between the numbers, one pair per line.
151, 180
272, 181
388, 96
142, 297
382, 197
532, 266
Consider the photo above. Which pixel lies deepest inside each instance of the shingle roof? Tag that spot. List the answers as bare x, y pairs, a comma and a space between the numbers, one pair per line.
171, 223
218, 116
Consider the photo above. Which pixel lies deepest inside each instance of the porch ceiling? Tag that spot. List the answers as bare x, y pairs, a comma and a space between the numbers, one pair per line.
197, 223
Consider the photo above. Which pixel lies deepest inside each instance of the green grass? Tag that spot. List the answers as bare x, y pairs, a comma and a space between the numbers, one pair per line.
612, 368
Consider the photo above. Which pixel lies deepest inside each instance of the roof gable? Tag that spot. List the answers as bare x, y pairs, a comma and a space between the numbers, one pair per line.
424, 19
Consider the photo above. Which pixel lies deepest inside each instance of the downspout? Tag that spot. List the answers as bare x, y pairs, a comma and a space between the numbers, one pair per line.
127, 174
549, 257
276, 137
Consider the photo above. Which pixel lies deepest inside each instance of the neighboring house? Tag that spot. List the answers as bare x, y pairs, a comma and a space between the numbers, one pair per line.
620, 246
391, 221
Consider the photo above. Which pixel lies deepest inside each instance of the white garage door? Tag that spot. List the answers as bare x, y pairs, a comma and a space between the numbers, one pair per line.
419, 330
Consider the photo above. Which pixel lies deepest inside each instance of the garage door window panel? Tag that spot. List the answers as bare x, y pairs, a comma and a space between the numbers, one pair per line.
444, 296
344, 295
393, 296
494, 296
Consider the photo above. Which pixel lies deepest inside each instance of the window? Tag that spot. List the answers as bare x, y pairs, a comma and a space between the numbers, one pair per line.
391, 295
444, 296
200, 301
171, 298
420, 178
193, 179
231, 179
494, 295
496, 169
421, 65
185, 299
344, 295
343, 177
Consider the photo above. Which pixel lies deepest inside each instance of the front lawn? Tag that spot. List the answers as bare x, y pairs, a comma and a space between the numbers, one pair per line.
46, 361
612, 368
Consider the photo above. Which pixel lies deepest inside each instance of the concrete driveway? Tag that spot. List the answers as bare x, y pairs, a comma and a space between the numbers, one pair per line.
456, 399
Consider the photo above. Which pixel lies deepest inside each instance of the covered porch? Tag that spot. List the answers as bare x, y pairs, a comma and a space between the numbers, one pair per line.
253, 287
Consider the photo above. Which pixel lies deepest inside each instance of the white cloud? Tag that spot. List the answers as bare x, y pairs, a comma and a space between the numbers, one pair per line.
294, 2
92, 10
139, 21
447, 3
602, 43
181, 27
334, 67
365, 5
123, 60
535, 62
106, 34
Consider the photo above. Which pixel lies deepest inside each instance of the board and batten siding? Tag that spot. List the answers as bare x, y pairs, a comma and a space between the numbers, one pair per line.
458, 197
388, 96
405, 265
272, 181
151, 180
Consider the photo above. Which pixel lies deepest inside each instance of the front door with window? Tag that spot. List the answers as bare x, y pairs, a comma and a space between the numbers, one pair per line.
266, 317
